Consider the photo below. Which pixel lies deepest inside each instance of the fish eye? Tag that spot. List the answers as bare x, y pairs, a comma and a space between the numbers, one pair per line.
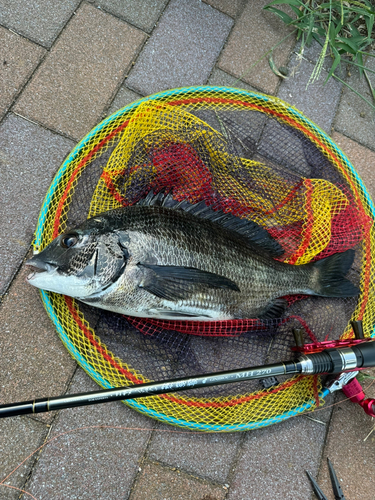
69, 240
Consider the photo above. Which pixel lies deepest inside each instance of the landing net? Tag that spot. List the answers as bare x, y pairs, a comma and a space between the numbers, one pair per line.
248, 154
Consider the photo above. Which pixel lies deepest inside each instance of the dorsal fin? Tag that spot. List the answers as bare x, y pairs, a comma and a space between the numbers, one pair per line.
253, 234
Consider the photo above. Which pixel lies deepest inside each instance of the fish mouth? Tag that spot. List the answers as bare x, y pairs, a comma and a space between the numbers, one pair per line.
39, 267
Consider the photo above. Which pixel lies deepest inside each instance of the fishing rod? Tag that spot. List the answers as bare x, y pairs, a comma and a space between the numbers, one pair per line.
328, 361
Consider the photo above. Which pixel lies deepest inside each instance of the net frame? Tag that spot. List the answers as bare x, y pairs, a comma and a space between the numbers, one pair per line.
70, 321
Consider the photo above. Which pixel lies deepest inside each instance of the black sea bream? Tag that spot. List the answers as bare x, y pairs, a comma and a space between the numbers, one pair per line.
173, 260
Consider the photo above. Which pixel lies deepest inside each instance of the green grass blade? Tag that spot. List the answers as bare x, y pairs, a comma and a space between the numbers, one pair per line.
353, 90
297, 3
359, 65
369, 23
335, 63
287, 19
342, 12
319, 64
369, 84
345, 47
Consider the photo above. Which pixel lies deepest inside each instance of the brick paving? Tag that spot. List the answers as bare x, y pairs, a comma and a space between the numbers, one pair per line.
254, 33
320, 101
19, 438
30, 155
36, 365
64, 66
210, 456
81, 73
183, 48
354, 118
155, 482
40, 21
91, 463
143, 15
19, 58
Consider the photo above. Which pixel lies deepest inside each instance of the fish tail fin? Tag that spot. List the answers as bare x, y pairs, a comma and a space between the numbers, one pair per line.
329, 276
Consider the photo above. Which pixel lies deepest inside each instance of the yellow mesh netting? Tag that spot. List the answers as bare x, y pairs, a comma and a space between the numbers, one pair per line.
245, 153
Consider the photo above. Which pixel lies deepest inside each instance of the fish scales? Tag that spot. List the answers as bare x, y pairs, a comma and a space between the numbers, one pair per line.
169, 238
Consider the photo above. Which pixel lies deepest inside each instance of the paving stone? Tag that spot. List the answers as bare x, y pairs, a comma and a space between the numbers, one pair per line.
31, 155
91, 463
318, 101
77, 80
254, 34
362, 159
182, 49
19, 437
19, 58
123, 97
155, 483
230, 7
352, 457
142, 13
221, 79
355, 118
33, 361
205, 455
274, 460
40, 20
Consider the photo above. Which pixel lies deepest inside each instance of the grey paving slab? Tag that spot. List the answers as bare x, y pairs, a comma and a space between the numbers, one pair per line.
352, 455
182, 49
274, 459
155, 483
19, 437
204, 455
362, 158
40, 20
254, 34
19, 58
33, 361
123, 97
318, 101
222, 79
93, 463
77, 80
355, 118
142, 13
29, 158
230, 7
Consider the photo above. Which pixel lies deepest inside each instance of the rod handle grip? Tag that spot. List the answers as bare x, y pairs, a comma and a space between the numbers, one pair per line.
365, 354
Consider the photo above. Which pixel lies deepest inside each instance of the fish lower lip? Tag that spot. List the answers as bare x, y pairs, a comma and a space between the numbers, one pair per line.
34, 273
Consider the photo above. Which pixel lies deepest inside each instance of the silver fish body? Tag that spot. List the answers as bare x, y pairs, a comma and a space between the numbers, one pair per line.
168, 260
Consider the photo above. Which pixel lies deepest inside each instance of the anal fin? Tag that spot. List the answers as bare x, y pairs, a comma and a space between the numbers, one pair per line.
274, 309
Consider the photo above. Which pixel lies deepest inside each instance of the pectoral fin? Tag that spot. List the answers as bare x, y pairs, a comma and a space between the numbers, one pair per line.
177, 282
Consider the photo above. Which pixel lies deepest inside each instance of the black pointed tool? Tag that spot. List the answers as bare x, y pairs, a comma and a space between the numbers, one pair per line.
318, 492
337, 491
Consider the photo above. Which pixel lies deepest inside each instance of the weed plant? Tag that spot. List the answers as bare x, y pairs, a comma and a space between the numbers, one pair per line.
344, 29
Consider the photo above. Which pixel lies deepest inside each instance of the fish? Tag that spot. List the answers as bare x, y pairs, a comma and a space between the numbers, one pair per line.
175, 260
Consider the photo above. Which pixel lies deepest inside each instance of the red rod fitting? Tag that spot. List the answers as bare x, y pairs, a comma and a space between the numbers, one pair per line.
353, 390
369, 406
